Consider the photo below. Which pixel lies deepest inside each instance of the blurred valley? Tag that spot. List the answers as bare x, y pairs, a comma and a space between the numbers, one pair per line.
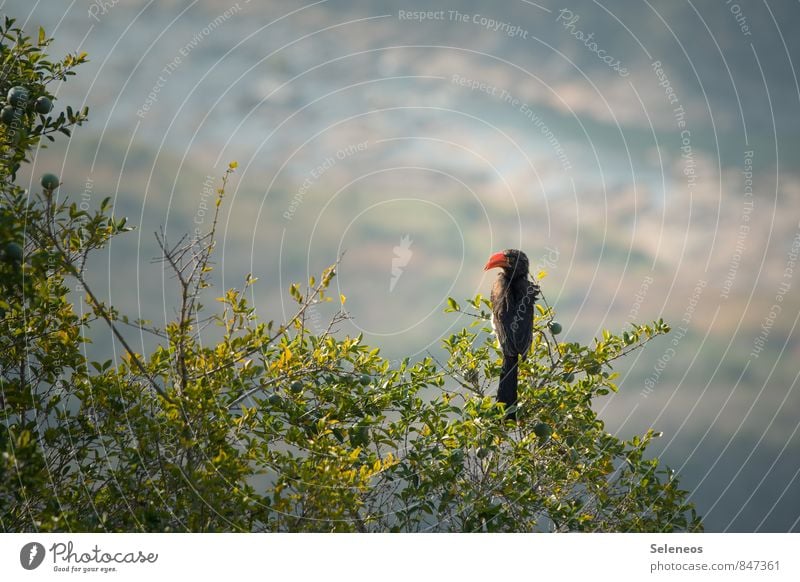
672, 191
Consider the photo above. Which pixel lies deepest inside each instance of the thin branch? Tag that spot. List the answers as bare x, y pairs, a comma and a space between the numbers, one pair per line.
282, 329
96, 305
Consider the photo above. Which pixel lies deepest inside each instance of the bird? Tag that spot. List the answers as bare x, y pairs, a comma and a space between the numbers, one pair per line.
513, 297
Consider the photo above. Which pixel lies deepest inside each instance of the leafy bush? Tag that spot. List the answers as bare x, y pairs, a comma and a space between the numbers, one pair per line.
273, 427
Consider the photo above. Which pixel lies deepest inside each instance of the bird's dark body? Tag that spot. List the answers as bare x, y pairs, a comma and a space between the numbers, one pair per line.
513, 298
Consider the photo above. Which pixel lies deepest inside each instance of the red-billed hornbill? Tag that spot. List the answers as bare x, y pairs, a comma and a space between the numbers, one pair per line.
513, 296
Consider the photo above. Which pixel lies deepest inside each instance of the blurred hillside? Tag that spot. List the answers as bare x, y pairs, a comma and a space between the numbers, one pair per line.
355, 126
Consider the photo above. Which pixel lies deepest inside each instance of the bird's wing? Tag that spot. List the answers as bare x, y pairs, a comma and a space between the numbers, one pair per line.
519, 326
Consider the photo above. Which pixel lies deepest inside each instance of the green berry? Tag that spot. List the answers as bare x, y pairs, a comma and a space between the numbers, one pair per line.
8, 114
274, 400
365, 379
43, 105
18, 96
593, 369
13, 252
483, 452
542, 430
359, 436
296, 387
555, 327
50, 181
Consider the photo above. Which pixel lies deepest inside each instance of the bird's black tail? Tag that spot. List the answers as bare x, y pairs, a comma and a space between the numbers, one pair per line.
507, 392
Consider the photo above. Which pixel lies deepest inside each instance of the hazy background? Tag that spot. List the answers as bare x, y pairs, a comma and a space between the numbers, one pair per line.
352, 130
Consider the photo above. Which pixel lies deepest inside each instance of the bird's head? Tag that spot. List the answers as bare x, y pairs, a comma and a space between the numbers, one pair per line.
513, 262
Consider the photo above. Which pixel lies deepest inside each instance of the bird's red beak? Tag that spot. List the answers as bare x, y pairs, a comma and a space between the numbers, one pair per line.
497, 260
